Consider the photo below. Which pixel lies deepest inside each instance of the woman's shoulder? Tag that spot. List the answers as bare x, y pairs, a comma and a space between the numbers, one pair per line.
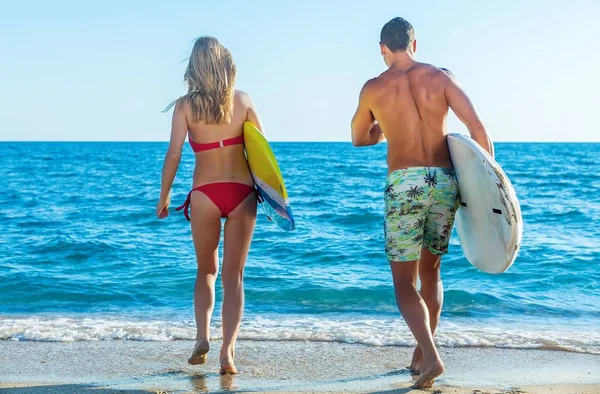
180, 104
243, 98
183, 105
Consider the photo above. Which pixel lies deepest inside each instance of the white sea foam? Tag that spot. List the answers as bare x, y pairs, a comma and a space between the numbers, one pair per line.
374, 332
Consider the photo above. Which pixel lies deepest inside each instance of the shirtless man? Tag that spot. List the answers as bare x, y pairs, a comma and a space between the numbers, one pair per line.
407, 105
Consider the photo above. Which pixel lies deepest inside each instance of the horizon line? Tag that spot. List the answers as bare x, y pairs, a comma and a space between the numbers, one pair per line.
274, 141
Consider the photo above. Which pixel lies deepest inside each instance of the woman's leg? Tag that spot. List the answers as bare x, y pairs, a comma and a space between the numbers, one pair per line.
206, 231
239, 228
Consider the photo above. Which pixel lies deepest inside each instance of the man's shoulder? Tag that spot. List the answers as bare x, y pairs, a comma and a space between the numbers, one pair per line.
373, 82
371, 86
434, 70
383, 80
446, 71
439, 76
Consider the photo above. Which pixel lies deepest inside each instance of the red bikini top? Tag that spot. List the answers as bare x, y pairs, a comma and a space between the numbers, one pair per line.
196, 147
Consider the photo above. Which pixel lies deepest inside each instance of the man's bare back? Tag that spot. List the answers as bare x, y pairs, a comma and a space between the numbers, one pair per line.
410, 107
410, 103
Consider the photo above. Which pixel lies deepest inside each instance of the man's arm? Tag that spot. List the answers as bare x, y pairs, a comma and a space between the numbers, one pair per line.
462, 106
365, 131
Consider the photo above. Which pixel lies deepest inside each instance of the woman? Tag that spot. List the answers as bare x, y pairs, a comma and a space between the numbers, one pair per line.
212, 115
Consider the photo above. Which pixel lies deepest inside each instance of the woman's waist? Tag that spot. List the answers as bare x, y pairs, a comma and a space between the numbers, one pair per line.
205, 176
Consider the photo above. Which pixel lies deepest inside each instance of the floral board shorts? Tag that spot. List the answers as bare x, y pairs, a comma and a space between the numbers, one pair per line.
420, 205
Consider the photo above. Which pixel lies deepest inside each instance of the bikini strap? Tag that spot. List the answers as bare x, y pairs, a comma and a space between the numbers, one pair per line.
186, 206
197, 147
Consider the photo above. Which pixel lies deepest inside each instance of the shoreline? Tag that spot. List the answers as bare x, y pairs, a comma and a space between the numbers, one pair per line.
135, 367
580, 337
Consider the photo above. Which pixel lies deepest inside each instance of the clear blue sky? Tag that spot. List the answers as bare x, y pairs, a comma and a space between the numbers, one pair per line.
103, 70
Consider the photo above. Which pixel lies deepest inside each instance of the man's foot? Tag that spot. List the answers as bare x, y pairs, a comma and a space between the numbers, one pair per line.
429, 373
199, 355
417, 361
227, 366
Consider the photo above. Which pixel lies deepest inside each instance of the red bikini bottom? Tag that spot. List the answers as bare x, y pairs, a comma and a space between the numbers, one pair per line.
225, 195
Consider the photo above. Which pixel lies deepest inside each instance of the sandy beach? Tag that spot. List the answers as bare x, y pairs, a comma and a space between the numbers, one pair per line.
160, 367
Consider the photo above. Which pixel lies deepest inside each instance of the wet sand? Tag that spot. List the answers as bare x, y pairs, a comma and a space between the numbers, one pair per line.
161, 367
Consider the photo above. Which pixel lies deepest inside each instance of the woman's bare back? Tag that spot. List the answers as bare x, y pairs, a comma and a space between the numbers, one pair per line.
226, 164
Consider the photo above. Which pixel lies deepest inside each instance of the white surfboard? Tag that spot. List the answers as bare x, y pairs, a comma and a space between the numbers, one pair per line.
489, 221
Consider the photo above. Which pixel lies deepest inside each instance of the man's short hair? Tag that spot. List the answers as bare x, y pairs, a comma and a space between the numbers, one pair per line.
398, 35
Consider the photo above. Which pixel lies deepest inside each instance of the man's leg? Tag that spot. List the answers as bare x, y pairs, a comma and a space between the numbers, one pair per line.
415, 313
407, 201
436, 237
432, 292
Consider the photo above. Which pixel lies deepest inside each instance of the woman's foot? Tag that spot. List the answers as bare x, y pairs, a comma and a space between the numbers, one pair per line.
429, 373
227, 366
199, 355
417, 361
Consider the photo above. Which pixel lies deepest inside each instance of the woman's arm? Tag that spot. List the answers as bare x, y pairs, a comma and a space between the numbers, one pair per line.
179, 129
251, 112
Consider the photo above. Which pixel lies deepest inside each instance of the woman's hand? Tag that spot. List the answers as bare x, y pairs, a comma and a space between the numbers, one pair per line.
162, 208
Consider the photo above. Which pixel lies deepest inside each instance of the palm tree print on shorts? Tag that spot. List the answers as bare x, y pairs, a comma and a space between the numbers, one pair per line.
431, 178
420, 206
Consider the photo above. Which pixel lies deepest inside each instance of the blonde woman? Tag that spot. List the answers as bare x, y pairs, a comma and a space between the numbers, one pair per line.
212, 115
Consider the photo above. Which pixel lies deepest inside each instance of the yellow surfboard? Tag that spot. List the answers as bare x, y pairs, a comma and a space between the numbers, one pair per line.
267, 178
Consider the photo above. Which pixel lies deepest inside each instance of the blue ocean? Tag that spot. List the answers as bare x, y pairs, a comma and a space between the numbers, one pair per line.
82, 256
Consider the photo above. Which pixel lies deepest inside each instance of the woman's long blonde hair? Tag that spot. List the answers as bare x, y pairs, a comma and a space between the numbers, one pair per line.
210, 76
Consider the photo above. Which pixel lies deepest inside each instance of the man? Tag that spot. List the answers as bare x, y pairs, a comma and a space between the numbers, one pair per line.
407, 105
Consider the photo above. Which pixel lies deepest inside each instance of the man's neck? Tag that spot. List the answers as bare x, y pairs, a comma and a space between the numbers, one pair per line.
402, 61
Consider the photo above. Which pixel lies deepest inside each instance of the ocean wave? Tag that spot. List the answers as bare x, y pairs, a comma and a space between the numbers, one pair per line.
71, 244
372, 332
